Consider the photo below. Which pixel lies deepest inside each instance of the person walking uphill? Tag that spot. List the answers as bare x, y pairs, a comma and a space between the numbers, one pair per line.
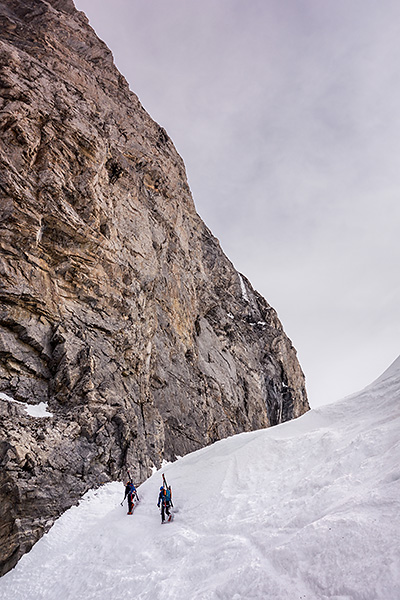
165, 501
130, 492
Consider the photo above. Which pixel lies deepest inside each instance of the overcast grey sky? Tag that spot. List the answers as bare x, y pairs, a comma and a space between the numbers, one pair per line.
287, 115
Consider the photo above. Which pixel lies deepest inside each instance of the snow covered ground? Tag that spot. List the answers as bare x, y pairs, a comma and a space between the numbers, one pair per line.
307, 510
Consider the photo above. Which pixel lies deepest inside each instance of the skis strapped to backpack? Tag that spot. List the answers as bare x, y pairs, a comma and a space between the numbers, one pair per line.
167, 487
166, 502
134, 494
131, 480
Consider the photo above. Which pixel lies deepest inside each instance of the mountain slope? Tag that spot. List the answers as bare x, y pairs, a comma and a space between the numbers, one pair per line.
118, 308
305, 510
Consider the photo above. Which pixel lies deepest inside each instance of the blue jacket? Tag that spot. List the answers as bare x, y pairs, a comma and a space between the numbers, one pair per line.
129, 489
164, 496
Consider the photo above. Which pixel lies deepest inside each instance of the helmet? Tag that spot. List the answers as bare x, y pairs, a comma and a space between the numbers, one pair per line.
161, 488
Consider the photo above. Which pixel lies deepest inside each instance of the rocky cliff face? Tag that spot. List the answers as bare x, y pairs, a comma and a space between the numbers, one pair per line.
117, 306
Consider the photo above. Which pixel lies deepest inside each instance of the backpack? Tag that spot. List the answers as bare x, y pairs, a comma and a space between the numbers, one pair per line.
130, 488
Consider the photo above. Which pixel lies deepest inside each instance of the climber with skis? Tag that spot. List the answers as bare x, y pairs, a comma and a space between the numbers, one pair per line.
130, 492
165, 501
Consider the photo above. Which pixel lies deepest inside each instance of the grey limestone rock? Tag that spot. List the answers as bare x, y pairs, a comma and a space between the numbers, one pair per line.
117, 305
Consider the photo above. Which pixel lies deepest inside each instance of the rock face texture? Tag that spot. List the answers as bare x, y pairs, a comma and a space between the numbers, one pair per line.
118, 307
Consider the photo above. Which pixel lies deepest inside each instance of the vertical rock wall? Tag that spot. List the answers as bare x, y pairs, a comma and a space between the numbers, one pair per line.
117, 306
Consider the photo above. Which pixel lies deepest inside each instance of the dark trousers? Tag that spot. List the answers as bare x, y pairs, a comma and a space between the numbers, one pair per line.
130, 502
165, 510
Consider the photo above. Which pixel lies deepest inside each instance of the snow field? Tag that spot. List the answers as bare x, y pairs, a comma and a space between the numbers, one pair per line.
307, 510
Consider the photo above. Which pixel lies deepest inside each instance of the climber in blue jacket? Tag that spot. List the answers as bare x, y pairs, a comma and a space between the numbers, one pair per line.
165, 500
130, 492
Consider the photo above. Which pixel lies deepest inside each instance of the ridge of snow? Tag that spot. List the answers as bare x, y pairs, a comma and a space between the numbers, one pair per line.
305, 510
392, 371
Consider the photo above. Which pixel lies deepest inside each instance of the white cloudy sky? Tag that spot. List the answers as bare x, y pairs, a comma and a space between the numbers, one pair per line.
287, 114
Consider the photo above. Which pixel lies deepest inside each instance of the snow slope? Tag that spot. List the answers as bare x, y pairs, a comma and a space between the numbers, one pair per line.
307, 510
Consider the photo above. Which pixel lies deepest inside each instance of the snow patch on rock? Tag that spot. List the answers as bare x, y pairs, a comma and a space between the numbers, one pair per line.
243, 288
38, 411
